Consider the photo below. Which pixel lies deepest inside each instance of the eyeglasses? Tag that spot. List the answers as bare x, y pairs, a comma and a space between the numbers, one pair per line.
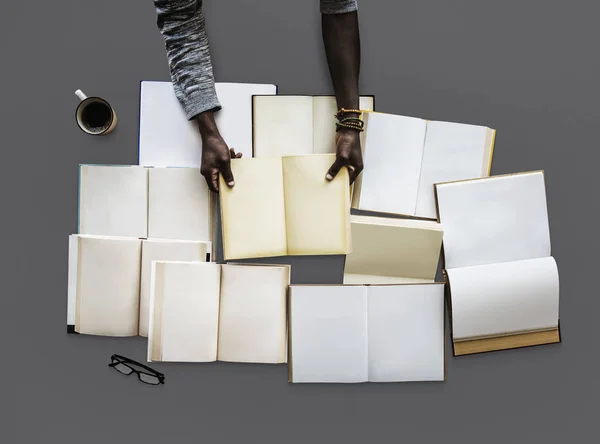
128, 366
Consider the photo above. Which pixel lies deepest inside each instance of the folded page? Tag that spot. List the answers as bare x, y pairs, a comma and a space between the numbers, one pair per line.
164, 250
253, 314
107, 286
169, 138
393, 149
328, 333
498, 299
317, 210
393, 250
179, 205
113, 200
406, 332
453, 151
253, 211
186, 311
496, 219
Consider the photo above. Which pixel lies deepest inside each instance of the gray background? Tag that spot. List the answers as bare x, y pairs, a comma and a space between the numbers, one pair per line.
530, 69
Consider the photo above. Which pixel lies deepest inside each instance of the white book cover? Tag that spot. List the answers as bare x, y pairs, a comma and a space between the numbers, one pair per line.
168, 138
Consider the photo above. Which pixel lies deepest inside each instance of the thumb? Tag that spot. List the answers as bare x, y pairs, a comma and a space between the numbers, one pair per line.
227, 174
336, 167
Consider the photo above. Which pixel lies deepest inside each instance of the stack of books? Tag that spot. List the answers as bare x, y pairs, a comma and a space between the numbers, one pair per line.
142, 262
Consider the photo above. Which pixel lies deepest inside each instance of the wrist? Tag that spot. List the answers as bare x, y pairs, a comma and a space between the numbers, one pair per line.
207, 124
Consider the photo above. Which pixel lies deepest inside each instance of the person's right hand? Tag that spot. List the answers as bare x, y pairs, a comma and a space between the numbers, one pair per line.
216, 159
216, 155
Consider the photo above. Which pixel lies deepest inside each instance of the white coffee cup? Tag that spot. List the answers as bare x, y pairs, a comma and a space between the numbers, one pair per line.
94, 115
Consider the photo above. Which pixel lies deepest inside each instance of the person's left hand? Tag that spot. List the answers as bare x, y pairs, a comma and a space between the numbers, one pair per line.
348, 154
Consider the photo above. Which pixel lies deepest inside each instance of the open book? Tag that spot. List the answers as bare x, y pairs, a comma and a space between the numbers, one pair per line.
406, 156
109, 281
285, 206
392, 251
168, 138
378, 333
207, 312
287, 125
134, 201
504, 286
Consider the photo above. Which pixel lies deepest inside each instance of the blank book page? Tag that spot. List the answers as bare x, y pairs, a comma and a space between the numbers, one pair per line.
511, 297
406, 333
329, 334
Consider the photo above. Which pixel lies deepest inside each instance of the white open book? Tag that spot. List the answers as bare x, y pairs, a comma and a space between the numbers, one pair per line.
503, 280
377, 333
109, 281
392, 251
134, 201
168, 138
291, 125
207, 312
285, 206
405, 156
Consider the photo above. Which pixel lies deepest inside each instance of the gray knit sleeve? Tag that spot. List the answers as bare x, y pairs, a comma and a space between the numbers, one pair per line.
181, 23
338, 6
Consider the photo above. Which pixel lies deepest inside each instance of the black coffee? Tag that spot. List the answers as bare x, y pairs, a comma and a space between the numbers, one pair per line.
96, 117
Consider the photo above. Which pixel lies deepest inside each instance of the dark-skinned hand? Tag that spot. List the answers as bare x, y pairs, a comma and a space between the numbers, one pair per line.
216, 155
348, 154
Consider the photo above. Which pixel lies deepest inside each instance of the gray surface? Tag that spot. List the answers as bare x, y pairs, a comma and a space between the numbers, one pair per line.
529, 69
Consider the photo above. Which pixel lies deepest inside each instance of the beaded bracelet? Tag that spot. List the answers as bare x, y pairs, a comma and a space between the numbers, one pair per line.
353, 126
343, 111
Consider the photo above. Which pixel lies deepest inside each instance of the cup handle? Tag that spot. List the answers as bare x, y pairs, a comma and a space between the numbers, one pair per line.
81, 95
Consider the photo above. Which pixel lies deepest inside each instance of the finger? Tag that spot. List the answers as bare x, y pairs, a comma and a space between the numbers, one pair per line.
233, 154
227, 174
354, 172
335, 167
211, 182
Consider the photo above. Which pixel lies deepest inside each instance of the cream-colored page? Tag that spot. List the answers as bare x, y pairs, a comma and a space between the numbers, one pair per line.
164, 250
108, 293
155, 312
317, 210
113, 200
374, 279
453, 151
72, 278
406, 333
190, 311
497, 219
393, 249
253, 211
283, 125
393, 149
178, 205
253, 314
328, 334
510, 297
324, 110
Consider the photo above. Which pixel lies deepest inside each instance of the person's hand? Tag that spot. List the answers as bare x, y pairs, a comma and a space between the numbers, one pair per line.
216, 159
348, 154
216, 155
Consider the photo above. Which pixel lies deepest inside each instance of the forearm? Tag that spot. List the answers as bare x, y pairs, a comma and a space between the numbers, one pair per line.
342, 48
182, 25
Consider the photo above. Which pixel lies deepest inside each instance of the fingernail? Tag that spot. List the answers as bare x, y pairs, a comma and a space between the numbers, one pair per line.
351, 168
232, 183
329, 176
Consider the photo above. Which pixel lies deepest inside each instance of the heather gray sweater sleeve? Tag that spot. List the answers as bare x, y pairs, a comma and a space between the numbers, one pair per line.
182, 25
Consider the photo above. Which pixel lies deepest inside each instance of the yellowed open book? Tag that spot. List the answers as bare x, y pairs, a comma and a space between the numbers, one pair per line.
204, 312
283, 206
